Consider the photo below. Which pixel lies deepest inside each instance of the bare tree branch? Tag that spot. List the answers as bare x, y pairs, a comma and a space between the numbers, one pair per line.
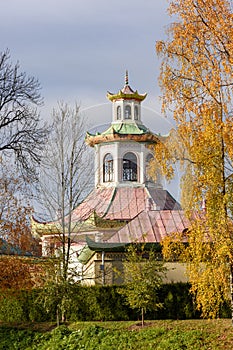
22, 135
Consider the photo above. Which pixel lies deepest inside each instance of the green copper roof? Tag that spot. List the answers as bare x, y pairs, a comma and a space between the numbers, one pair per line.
85, 255
125, 129
118, 247
105, 246
130, 128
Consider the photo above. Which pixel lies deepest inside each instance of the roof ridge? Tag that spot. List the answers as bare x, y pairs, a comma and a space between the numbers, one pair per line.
110, 202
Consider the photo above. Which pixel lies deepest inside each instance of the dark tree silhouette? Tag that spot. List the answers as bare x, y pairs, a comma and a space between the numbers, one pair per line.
22, 135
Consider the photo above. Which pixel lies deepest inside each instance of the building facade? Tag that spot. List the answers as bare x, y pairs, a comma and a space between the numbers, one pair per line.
126, 205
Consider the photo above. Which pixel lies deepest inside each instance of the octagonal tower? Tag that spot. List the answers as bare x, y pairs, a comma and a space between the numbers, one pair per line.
121, 152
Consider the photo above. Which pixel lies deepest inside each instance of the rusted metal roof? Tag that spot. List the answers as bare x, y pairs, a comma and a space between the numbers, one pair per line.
163, 199
151, 227
98, 201
123, 203
127, 203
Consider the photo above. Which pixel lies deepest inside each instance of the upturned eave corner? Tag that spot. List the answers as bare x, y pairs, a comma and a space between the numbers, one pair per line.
121, 95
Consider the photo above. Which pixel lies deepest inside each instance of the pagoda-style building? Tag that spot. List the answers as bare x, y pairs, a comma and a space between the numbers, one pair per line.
126, 205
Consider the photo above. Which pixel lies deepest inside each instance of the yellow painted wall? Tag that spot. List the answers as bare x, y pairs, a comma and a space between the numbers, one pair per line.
113, 270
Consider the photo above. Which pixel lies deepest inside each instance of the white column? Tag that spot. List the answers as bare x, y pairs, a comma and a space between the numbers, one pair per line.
142, 164
113, 112
97, 166
117, 175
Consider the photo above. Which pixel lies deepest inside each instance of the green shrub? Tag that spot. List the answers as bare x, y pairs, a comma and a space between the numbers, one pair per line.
14, 339
97, 303
11, 309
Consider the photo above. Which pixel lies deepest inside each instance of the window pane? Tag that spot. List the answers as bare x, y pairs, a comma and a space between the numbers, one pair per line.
127, 112
130, 167
108, 168
118, 112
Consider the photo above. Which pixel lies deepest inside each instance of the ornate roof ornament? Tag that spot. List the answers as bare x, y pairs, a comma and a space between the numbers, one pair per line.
126, 78
126, 93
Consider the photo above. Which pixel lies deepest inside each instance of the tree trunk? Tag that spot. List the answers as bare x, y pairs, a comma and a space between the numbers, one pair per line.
143, 322
57, 315
231, 289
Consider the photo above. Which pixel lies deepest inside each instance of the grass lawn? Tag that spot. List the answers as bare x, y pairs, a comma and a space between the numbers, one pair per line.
161, 335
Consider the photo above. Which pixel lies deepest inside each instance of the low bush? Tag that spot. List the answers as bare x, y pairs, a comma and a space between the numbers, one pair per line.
98, 303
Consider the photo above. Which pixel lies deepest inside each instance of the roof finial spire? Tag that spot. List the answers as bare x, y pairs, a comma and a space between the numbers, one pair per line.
126, 78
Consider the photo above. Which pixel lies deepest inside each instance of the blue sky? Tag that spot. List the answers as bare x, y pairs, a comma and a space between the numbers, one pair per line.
80, 49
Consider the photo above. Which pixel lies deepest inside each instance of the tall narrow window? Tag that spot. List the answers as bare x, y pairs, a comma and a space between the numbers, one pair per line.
136, 112
108, 168
127, 112
130, 167
118, 113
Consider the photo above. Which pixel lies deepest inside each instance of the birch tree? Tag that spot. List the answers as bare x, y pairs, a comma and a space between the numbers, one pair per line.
196, 81
66, 174
65, 180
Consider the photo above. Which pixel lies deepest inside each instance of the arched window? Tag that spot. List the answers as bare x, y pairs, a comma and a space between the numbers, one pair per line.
108, 168
127, 112
149, 157
130, 167
118, 113
136, 112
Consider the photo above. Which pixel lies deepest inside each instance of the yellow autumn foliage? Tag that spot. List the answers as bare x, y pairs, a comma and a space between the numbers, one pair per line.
196, 81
